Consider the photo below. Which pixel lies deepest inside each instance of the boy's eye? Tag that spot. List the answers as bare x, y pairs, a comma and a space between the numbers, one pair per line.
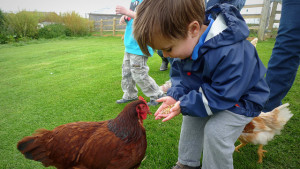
169, 50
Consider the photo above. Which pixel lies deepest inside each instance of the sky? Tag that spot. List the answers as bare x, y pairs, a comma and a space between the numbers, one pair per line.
83, 7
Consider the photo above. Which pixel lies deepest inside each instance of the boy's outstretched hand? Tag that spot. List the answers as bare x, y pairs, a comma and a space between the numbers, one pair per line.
174, 111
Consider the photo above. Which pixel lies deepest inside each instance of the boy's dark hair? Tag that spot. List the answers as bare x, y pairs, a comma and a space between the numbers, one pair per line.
166, 18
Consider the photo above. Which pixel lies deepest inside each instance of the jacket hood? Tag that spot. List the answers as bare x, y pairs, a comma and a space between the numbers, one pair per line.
234, 30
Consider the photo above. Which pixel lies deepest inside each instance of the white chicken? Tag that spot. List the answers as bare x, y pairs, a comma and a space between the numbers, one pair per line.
263, 128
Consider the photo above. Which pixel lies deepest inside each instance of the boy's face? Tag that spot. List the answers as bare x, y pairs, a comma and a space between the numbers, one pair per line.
178, 48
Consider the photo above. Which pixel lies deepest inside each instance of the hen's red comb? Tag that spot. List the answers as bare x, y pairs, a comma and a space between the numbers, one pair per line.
141, 98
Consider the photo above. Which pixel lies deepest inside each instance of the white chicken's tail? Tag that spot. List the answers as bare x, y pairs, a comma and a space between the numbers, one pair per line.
284, 114
277, 118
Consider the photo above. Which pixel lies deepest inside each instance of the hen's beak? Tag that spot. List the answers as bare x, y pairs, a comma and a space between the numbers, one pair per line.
149, 112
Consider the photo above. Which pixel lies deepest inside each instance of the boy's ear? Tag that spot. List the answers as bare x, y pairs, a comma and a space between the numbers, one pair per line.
194, 28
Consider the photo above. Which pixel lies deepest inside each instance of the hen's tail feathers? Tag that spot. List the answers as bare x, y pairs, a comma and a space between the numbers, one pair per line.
284, 114
34, 148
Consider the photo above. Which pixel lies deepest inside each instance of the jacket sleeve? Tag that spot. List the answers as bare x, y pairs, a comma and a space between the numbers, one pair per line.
174, 72
178, 89
231, 77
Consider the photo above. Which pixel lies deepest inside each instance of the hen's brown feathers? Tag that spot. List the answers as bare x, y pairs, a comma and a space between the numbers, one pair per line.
60, 146
120, 142
111, 149
249, 128
130, 130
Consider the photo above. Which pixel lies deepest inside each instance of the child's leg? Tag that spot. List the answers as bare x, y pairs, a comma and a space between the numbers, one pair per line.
139, 71
191, 140
127, 83
220, 133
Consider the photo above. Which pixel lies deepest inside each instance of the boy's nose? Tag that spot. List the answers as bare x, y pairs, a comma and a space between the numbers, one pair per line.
166, 54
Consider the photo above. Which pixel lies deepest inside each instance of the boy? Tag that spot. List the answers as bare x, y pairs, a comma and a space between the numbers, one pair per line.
221, 85
135, 68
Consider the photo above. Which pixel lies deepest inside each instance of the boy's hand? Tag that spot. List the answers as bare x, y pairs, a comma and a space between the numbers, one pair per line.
174, 111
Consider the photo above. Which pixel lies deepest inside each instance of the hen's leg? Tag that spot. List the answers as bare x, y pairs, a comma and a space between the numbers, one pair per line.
240, 146
260, 153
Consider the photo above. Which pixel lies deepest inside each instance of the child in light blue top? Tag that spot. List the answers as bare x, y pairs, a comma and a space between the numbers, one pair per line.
135, 68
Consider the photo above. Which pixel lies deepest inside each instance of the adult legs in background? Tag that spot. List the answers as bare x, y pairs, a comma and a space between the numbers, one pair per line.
174, 74
164, 63
284, 62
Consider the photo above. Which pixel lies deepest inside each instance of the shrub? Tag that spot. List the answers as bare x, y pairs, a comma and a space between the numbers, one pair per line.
3, 36
52, 31
23, 24
77, 26
2, 20
51, 17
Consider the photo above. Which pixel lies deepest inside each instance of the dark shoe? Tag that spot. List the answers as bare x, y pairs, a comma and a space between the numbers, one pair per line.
152, 103
181, 166
125, 100
164, 66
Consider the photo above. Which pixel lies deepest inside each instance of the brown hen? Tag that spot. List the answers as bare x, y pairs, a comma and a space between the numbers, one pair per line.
117, 143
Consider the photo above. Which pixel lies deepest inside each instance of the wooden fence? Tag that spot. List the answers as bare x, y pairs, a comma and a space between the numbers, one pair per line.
266, 20
109, 25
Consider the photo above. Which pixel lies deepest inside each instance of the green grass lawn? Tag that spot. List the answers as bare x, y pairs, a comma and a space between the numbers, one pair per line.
44, 84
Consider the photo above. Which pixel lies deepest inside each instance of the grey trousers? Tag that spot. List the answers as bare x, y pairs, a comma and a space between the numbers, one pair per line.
135, 71
214, 136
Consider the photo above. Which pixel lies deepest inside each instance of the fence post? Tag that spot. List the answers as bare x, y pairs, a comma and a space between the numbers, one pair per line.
114, 26
272, 17
101, 27
263, 20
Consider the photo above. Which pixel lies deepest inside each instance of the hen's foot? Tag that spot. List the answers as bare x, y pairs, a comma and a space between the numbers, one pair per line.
240, 146
261, 154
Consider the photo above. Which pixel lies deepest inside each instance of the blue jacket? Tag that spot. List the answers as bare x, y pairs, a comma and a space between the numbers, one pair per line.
224, 72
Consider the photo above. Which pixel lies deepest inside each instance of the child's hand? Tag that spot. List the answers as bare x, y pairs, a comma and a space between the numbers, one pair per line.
121, 10
174, 111
123, 20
